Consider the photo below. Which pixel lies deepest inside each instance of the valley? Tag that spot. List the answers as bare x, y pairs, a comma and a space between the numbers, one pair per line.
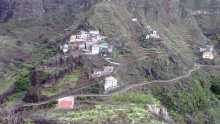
109, 61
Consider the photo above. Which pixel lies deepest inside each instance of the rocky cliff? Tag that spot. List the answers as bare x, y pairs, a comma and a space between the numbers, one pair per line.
23, 9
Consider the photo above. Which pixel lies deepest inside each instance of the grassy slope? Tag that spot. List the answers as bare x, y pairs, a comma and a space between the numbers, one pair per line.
115, 21
191, 97
69, 81
30, 41
119, 109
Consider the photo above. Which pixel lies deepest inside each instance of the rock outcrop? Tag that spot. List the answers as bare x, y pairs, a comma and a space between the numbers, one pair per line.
26, 9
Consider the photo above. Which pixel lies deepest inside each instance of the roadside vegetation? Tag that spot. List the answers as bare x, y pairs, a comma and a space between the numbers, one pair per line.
125, 108
136, 98
69, 81
14, 99
192, 99
109, 113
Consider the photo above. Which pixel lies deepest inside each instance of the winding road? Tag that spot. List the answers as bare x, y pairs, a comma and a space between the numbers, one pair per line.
123, 89
119, 90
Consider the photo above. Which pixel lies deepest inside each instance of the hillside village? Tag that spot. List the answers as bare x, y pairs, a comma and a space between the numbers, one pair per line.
93, 45
109, 62
98, 52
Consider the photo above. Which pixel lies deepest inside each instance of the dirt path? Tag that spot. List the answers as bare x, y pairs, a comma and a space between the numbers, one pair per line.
121, 89
188, 74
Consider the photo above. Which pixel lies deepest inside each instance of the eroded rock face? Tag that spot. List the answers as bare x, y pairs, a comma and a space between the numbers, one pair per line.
22, 9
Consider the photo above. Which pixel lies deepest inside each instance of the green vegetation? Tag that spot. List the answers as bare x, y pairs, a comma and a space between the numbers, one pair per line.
69, 81
136, 97
72, 77
13, 99
125, 108
194, 99
23, 80
215, 112
28, 121
185, 101
9, 81
128, 113
215, 85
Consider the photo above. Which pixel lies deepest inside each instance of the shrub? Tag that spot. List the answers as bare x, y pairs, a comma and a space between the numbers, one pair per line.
215, 85
28, 121
23, 80
184, 100
135, 97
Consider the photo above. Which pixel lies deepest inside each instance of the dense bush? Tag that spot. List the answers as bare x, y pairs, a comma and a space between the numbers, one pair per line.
23, 80
136, 97
215, 85
184, 100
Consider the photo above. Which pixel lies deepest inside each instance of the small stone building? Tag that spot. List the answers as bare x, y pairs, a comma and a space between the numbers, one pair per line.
110, 83
65, 48
106, 70
66, 102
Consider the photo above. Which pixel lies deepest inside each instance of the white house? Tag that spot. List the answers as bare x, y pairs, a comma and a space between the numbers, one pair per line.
95, 50
134, 19
84, 34
108, 69
81, 37
153, 34
149, 28
82, 46
110, 83
208, 55
65, 48
207, 52
94, 32
110, 49
72, 38
147, 37
201, 49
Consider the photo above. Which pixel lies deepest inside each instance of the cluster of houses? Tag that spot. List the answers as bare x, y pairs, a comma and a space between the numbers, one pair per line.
90, 42
200, 12
152, 34
207, 52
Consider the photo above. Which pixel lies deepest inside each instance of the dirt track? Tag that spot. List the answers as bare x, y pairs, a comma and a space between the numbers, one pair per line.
124, 88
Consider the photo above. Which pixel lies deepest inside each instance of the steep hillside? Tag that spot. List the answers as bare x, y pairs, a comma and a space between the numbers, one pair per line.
31, 33
43, 22
180, 35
